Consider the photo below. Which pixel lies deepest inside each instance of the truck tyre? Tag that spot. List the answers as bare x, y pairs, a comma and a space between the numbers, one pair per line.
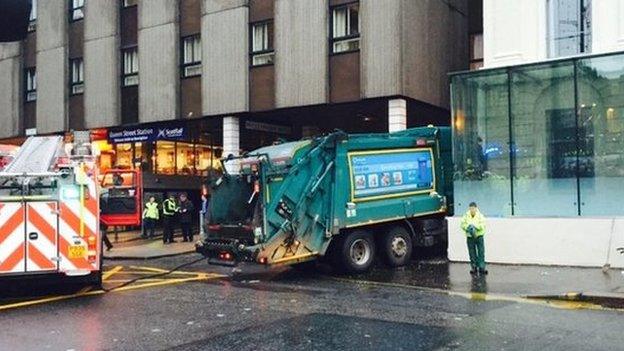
356, 252
396, 246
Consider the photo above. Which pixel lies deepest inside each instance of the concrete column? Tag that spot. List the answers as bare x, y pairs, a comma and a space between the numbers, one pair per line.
301, 52
159, 72
101, 64
52, 66
397, 115
10, 89
225, 56
231, 141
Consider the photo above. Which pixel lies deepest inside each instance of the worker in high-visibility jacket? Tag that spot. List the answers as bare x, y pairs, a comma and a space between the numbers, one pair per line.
170, 209
473, 224
150, 217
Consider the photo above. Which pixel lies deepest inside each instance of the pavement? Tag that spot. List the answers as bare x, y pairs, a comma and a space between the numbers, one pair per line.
203, 307
548, 283
130, 245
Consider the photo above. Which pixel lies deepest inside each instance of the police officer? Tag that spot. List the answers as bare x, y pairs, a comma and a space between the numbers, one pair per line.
170, 208
473, 224
150, 216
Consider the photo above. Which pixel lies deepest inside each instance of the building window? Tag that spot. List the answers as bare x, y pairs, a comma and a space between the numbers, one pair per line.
345, 28
130, 67
191, 56
76, 83
76, 11
129, 3
569, 27
262, 43
30, 84
32, 19
476, 51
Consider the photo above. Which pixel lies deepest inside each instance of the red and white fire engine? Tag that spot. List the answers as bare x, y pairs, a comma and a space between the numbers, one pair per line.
49, 210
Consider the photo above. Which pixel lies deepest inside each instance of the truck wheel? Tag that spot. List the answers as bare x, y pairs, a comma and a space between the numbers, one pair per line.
356, 252
397, 246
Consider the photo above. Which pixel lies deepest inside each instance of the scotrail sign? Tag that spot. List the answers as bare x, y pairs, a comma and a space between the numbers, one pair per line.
169, 131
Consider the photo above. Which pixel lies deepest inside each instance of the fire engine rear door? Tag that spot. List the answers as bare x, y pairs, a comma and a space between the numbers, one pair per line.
42, 236
12, 238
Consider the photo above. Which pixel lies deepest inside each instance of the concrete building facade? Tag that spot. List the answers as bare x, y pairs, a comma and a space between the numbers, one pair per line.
235, 74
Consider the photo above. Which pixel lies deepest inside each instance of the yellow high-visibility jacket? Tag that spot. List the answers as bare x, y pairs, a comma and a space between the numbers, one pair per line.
151, 210
478, 221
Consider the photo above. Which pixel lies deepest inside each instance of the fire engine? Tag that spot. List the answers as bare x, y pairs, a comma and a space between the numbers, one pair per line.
49, 211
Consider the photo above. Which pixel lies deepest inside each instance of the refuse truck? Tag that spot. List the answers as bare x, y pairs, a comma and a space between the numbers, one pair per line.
346, 198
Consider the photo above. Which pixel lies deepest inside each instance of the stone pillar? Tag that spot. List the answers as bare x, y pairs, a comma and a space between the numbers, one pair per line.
397, 115
101, 64
231, 142
10, 89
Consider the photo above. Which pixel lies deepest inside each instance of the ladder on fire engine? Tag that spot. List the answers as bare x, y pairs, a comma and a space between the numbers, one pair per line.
36, 155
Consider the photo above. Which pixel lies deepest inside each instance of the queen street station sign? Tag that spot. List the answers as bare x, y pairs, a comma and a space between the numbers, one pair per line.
163, 131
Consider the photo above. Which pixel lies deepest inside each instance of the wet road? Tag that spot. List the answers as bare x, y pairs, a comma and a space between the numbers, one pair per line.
290, 310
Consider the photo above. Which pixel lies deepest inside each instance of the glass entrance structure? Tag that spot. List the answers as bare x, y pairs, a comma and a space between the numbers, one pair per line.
541, 140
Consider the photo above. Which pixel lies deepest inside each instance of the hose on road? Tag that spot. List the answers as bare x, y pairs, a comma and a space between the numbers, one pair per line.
152, 276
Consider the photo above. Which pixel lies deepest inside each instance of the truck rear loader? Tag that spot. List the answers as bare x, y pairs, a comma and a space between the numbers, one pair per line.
345, 197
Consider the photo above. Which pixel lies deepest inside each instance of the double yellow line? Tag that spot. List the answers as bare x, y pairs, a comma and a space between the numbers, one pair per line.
476, 296
191, 276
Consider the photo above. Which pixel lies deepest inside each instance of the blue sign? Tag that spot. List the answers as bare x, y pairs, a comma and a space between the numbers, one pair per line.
390, 173
164, 131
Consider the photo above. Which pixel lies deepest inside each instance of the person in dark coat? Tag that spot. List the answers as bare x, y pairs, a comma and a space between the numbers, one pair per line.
186, 210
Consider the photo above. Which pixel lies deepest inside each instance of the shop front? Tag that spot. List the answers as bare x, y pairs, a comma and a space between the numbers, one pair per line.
173, 156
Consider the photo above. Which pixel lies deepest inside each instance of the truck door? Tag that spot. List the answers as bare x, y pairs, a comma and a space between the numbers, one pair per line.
12, 238
42, 236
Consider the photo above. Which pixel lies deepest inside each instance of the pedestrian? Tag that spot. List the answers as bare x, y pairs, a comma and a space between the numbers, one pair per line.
186, 217
103, 230
473, 224
170, 208
150, 216
204, 214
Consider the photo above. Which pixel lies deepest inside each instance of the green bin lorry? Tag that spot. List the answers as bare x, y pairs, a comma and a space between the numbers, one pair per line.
346, 197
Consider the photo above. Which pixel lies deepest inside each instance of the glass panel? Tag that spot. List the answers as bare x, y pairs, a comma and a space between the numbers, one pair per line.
354, 22
569, 27
197, 49
601, 135
259, 34
263, 59
340, 22
33, 11
347, 45
124, 156
481, 143
165, 157
544, 134
185, 159
139, 157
